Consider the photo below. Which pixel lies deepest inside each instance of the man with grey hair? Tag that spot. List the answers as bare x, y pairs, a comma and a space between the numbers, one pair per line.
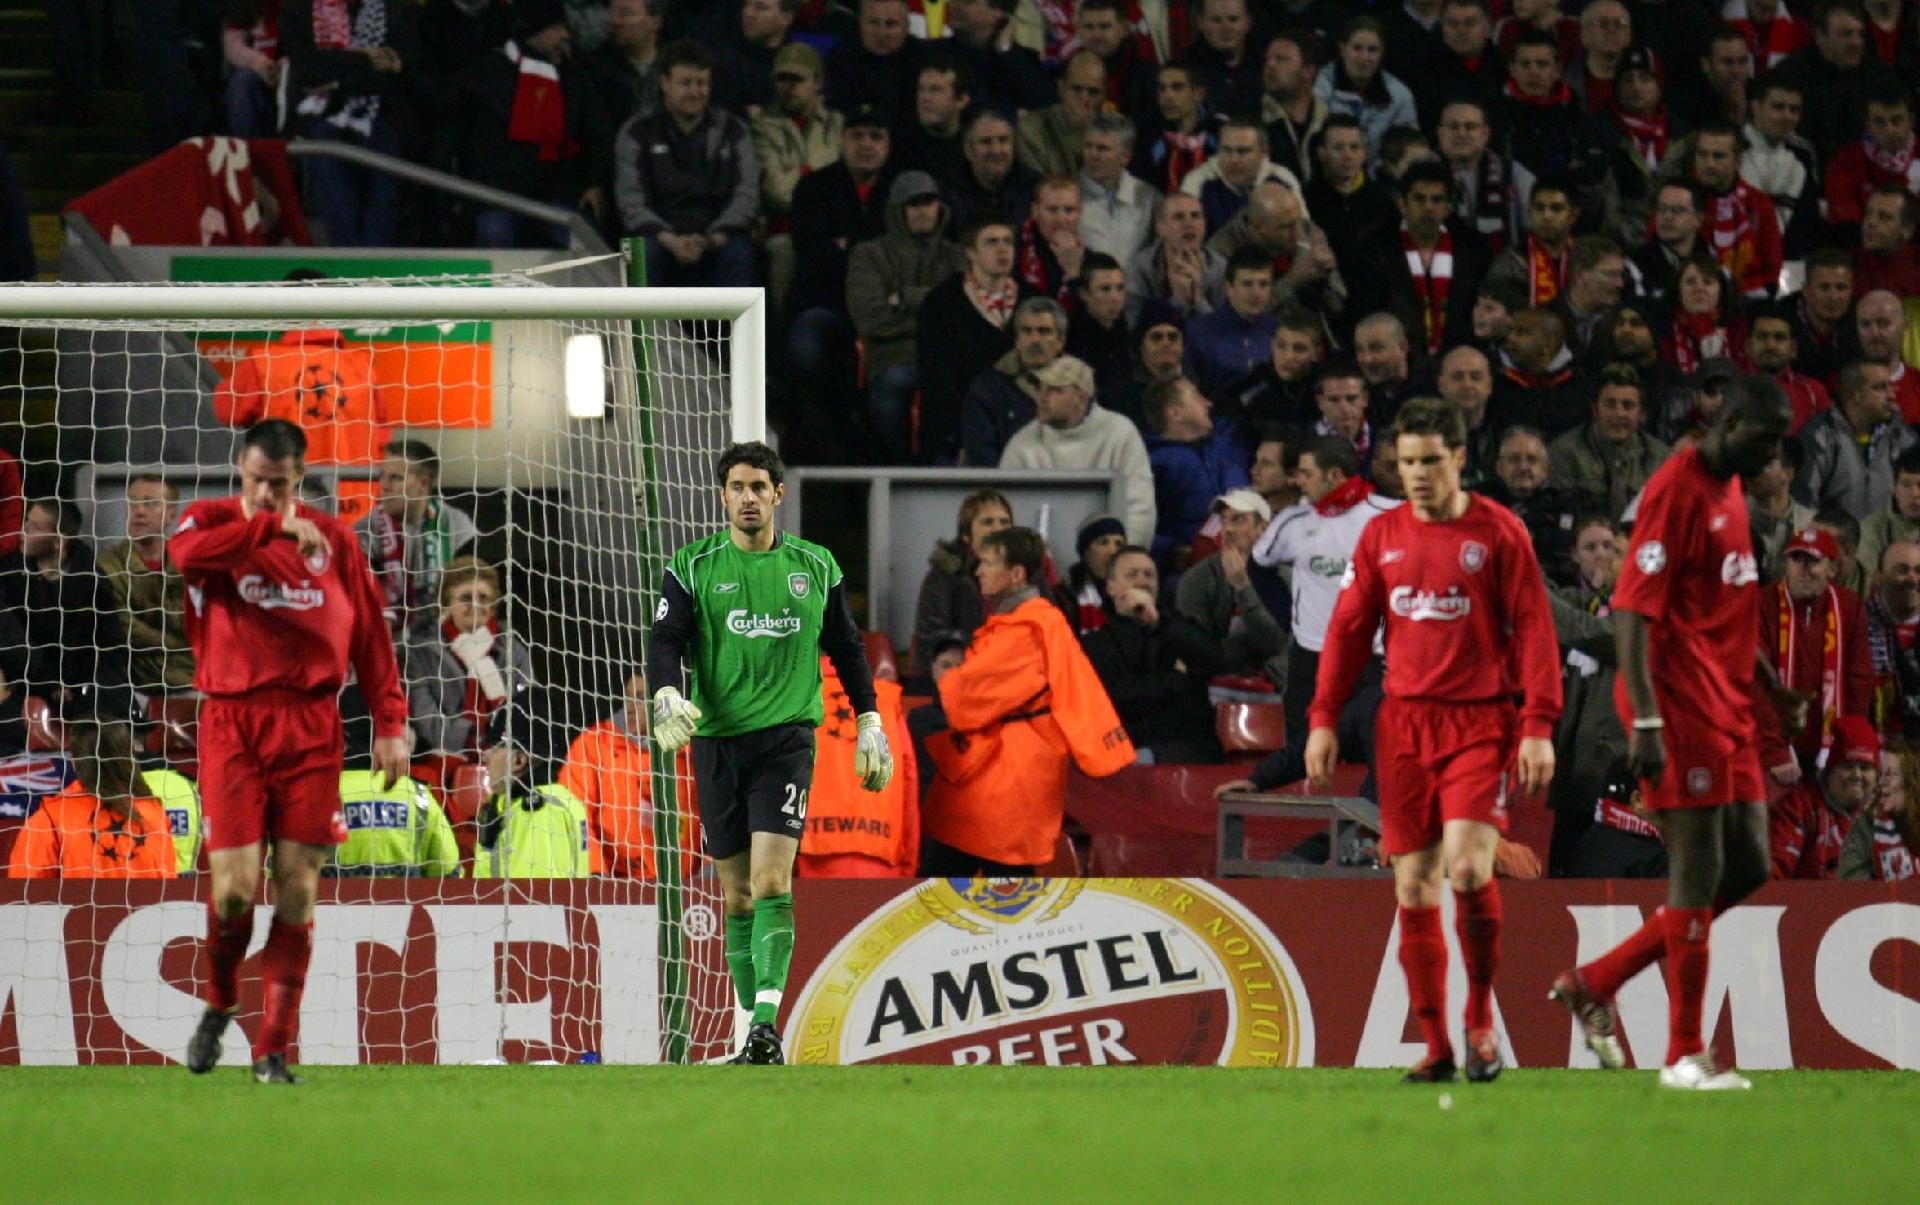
1275, 221
1001, 400
1852, 448
1070, 431
990, 179
1049, 140
1117, 208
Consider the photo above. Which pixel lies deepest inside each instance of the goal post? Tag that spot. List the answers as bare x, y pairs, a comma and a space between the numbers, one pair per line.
583, 438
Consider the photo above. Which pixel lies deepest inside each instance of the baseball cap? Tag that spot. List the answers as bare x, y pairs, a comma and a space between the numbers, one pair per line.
1068, 372
797, 56
911, 186
866, 117
1854, 739
1812, 541
1244, 501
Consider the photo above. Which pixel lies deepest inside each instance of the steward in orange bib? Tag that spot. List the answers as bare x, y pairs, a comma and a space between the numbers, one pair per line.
610, 769
1024, 701
103, 826
853, 833
319, 383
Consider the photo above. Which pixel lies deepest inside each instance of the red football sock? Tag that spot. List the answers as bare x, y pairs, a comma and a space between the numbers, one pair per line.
1476, 919
1687, 930
283, 965
1423, 956
226, 948
1605, 975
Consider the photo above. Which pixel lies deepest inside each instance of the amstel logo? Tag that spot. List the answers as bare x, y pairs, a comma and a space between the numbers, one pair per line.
1056, 971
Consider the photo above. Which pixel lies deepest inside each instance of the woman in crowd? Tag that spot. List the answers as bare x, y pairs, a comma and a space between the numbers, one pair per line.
1358, 87
949, 595
1884, 843
1706, 324
461, 671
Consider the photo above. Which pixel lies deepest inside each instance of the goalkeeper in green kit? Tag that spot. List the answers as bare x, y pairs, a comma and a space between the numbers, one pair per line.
749, 610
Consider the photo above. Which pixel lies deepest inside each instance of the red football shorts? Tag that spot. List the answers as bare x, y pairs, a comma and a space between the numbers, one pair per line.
1437, 762
1706, 768
271, 769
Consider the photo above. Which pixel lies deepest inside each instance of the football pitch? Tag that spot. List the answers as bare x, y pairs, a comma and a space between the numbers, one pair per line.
914, 1133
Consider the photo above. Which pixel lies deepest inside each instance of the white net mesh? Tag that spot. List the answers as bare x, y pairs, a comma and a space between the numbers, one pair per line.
572, 498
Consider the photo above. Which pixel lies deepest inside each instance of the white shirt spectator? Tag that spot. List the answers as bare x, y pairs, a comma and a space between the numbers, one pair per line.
1318, 547
1103, 440
1119, 221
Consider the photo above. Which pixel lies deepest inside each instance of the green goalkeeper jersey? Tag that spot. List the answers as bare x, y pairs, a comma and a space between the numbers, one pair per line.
751, 627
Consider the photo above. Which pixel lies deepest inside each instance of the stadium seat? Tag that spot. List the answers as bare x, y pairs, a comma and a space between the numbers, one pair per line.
175, 734
466, 791
880, 655
1250, 727
1123, 854
1066, 860
45, 733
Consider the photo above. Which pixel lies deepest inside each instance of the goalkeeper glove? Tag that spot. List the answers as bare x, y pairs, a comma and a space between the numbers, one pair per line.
872, 759
673, 719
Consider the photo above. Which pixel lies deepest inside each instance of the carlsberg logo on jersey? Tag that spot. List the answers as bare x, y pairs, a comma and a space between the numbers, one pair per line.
272, 596
1409, 603
755, 627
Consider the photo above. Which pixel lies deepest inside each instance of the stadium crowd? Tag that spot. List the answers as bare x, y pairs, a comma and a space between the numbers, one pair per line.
1211, 247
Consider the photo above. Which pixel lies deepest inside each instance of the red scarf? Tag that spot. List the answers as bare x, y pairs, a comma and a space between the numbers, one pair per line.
1345, 496
996, 307
1697, 337
1561, 95
1830, 645
1733, 230
539, 108
1432, 281
1184, 153
1032, 268
1546, 272
1892, 860
1897, 168
1647, 134
1089, 608
477, 706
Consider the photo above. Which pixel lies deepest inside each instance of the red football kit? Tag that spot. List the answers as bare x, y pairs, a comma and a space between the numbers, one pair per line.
1468, 629
1691, 572
273, 634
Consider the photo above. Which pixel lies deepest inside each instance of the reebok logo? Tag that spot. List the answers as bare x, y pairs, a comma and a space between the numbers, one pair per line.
726, 587
757, 627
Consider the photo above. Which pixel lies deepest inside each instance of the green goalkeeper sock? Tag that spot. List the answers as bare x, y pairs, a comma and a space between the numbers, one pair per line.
772, 952
740, 957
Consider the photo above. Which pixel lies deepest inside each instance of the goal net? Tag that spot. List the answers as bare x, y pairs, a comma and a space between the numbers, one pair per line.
468, 919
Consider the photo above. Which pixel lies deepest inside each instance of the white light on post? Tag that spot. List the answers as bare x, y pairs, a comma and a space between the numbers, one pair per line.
586, 377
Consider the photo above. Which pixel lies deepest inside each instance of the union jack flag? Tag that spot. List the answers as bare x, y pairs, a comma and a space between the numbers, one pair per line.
26, 777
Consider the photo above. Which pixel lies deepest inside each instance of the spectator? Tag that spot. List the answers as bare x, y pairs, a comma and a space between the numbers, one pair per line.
1428, 277
524, 119
625, 68
1099, 334
1413, 48
1240, 164
1886, 258
1547, 130
1023, 701
1118, 209
1493, 313
1851, 449
687, 179
1281, 388
1008, 75
1048, 140
1606, 33
1466, 67
1082, 593
460, 672
1741, 226
1884, 839
1898, 521
1274, 223
949, 598
744, 67
974, 315
1179, 133
1292, 110
1588, 741
792, 137
1340, 392
151, 593
1782, 164
1488, 187
316, 380
1893, 626
1808, 826
1195, 459
1160, 345
1814, 634
1354, 208
1103, 28
1770, 353
1620, 840
1069, 431
880, 67
1771, 32
1626, 335
1884, 155
1227, 344
1679, 208
1838, 76
1820, 315
1359, 88
1707, 323
1048, 252
1538, 16
609, 771
1218, 594
833, 209
887, 280
931, 141
1275, 457
394, 830
1845, 530
1537, 384
1596, 276
854, 833
71, 650
1154, 663
349, 74
1773, 513
1726, 76
1385, 357
989, 181
412, 536
1540, 265
1222, 57
1605, 462
1177, 267
103, 826
1523, 486
528, 831
250, 41
1001, 399
1879, 325
1466, 380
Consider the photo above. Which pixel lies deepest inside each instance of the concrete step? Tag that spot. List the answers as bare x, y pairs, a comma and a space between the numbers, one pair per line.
23, 107
74, 171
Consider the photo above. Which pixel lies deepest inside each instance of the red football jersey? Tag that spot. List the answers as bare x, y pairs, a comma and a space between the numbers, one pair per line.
1466, 612
1690, 571
261, 617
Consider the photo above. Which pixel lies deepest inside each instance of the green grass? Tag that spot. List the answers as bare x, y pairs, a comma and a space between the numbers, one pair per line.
906, 1134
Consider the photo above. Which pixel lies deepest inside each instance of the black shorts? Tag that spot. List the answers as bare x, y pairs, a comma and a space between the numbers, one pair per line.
756, 782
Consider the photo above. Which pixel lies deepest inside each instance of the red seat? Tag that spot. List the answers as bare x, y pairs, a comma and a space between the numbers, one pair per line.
466, 791
45, 733
1123, 854
1066, 861
1250, 727
881, 657
175, 734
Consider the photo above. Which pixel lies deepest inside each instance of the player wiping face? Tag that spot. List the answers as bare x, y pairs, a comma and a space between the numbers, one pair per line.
271, 485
